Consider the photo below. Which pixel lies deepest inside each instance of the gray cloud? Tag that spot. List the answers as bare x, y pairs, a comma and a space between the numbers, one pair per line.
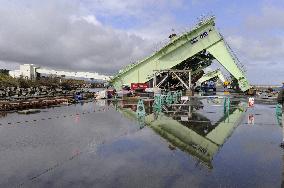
261, 50
262, 57
260, 46
134, 8
60, 35
152, 20
270, 18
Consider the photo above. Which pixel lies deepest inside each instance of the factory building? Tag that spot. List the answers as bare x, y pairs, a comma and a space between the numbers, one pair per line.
31, 71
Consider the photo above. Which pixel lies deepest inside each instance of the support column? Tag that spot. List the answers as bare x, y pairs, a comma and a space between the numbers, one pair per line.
189, 80
154, 80
189, 89
283, 125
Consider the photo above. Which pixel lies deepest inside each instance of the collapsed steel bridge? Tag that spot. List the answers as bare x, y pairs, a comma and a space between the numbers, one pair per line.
193, 51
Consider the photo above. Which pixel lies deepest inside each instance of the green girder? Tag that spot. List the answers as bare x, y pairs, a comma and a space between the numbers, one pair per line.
210, 75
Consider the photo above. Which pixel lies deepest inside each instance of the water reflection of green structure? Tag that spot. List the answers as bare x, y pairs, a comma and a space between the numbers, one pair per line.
278, 114
202, 145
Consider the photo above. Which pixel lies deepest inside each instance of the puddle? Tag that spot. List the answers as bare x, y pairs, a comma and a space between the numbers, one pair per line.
104, 145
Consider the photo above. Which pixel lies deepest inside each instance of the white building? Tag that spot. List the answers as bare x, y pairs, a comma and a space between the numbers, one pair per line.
30, 71
27, 71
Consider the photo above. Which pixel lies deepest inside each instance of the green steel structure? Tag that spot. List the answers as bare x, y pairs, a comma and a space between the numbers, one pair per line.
193, 51
214, 74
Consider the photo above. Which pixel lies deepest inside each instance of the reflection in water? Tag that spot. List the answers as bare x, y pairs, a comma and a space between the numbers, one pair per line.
77, 118
251, 119
214, 100
278, 114
3, 114
190, 131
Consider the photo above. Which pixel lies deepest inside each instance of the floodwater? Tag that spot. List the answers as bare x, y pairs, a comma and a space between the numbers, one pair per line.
98, 144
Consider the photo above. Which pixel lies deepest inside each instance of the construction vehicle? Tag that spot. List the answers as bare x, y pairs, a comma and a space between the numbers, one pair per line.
207, 81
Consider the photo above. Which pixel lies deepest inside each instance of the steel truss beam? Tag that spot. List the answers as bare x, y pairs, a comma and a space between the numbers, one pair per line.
171, 72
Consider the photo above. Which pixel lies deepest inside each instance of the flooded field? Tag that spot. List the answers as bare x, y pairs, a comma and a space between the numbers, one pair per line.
101, 144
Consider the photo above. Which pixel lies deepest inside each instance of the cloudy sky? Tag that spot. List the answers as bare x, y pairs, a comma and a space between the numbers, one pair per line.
105, 35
